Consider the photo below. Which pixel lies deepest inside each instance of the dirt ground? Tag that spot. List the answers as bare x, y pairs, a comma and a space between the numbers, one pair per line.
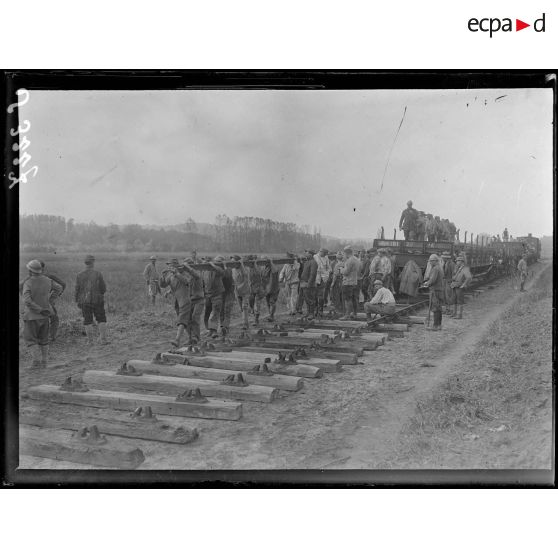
478, 394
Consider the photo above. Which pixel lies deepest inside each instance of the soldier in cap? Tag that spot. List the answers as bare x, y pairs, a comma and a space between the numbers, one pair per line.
522, 268
39, 292
289, 276
351, 292
270, 283
90, 297
459, 281
308, 283
337, 284
151, 276
383, 301
214, 289
435, 284
322, 277
197, 302
175, 277
407, 223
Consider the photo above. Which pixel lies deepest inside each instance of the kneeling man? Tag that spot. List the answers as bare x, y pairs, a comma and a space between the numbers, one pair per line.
382, 302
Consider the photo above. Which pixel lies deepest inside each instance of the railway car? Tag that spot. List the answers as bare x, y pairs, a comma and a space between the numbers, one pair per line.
483, 259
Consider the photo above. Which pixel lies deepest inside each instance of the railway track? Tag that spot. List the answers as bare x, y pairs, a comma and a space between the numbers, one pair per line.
101, 418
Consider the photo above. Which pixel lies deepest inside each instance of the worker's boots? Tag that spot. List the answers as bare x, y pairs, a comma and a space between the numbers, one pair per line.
454, 313
90, 334
103, 333
460, 315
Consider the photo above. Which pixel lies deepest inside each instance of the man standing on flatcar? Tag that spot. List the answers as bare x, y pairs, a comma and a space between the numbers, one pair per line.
435, 284
505, 235
407, 223
420, 226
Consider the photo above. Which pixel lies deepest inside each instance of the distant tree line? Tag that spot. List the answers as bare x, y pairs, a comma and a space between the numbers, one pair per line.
242, 234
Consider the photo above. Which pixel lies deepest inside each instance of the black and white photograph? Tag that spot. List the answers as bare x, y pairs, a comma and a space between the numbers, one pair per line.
283, 274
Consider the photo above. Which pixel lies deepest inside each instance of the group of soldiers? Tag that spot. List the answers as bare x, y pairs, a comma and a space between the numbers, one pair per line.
312, 279
210, 294
418, 225
40, 291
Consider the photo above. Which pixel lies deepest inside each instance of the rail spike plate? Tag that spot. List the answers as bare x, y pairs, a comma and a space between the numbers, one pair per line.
192, 396
73, 384
127, 370
234, 380
260, 370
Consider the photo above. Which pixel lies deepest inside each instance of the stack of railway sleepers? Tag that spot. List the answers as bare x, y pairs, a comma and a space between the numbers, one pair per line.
100, 418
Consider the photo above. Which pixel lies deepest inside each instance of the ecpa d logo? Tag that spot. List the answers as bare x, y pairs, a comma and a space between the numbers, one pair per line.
492, 25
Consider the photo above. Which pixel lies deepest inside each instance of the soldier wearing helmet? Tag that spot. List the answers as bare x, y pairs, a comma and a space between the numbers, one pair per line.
151, 276
38, 292
435, 285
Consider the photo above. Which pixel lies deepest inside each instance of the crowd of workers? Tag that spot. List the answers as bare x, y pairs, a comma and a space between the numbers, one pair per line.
311, 282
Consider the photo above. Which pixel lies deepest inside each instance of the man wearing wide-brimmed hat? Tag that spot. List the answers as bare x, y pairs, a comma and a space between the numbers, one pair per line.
38, 292
90, 298
151, 276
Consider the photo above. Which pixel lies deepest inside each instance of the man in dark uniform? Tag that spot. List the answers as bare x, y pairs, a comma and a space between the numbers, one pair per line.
436, 286
308, 283
270, 283
407, 223
458, 283
197, 302
90, 298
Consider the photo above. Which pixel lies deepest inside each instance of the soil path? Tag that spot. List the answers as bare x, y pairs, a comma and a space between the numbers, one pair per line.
372, 444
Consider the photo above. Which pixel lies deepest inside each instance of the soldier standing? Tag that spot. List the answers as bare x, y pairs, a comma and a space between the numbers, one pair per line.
241, 278
257, 292
459, 281
322, 277
270, 283
228, 301
435, 284
407, 223
289, 276
350, 271
420, 226
90, 298
214, 289
308, 283
522, 268
39, 292
54, 321
505, 235
336, 284
175, 278
448, 268
197, 302
151, 276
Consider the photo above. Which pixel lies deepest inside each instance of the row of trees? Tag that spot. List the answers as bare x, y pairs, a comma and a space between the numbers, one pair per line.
242, 234
253, 234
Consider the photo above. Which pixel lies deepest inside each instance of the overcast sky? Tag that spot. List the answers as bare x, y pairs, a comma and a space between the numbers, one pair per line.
309, 157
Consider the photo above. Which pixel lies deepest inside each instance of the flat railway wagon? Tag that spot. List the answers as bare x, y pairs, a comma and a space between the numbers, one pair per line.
482, 259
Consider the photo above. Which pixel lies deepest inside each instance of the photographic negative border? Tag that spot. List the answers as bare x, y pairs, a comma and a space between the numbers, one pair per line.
240, 80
